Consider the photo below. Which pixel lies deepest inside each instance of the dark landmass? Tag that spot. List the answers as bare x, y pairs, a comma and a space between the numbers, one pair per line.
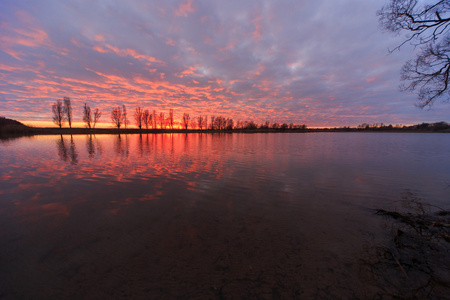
12, 128
9, 122
9, 127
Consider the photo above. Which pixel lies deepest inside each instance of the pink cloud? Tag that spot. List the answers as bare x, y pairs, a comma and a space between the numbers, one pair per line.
257, 35
126, 52
170, 42
184, 9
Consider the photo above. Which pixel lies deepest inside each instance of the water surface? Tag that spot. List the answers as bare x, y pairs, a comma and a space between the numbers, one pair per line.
202, 216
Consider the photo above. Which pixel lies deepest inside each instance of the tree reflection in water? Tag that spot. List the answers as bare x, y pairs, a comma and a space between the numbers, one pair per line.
122, 146
62, 149
67, 154
93, 146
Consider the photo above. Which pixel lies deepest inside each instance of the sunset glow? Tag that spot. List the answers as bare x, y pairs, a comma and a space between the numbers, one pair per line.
321, 63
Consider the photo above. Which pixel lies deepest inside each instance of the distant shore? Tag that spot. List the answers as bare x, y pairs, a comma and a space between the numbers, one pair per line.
9, 131
69, 131
12, 128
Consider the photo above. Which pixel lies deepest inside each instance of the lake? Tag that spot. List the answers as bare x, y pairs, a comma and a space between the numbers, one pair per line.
221, 216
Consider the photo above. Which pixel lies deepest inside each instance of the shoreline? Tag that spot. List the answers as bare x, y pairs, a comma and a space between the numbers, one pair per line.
17, 131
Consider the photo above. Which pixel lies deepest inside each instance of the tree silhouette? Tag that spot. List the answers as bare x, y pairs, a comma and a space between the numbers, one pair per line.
154, 119
97, 115
221, 123
146, 118
229, 124
162, 121
428, 26
138, 117
117, 117
58, 113
170, 118
200, 122
185, 120
87, 116
212, 124
124, 116
68, 110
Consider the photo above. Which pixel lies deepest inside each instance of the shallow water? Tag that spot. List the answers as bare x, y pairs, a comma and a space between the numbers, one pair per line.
281, 215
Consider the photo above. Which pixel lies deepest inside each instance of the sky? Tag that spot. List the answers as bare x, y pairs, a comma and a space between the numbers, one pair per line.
320, 63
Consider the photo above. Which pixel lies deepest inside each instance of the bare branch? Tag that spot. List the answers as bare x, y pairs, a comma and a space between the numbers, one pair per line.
429, 26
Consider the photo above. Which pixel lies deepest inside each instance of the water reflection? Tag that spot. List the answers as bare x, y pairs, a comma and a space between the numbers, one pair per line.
122, 146
62, 149
67, 153
205, 215
93, 146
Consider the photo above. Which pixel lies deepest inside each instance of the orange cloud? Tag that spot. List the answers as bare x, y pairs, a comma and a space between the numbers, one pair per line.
187, 72
100, 49
126, 52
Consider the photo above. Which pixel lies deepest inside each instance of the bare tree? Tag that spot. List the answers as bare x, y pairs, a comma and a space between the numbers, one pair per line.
162, 121
212, 123
97, 115
150, 120
87, 116
146, 118
429, 28
193, 124
185, 120
250, 125
170, 118
58, 113
117, 117
222, 122
124, 116
200, 122
138, 117
154, 119
219, 123
265, 125
68, 110
91, 119
229, 124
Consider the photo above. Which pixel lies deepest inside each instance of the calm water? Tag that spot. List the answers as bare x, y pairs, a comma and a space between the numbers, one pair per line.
226, 216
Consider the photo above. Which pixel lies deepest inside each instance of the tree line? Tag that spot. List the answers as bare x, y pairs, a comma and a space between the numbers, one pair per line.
147, 119
62, 112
